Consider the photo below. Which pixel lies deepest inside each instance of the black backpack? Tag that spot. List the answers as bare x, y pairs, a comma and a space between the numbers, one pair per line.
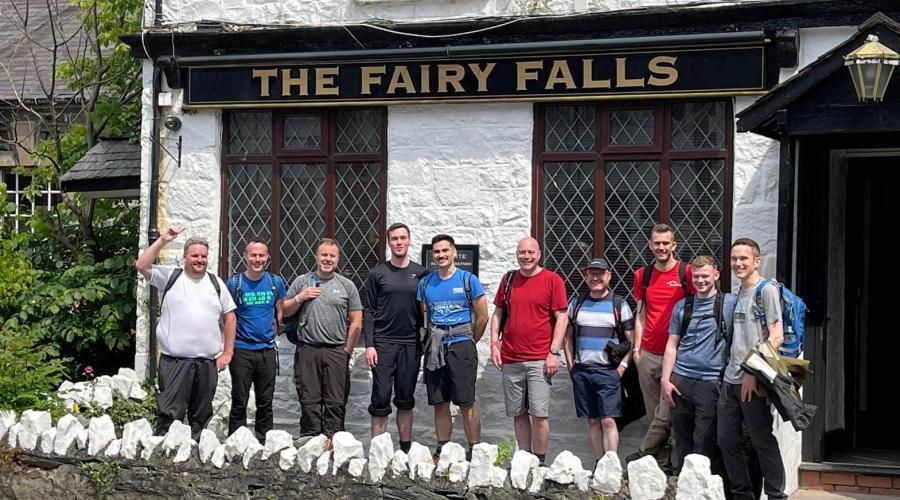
504, 314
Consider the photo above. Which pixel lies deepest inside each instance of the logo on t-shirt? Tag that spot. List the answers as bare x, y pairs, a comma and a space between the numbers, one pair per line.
458, 289
674, 283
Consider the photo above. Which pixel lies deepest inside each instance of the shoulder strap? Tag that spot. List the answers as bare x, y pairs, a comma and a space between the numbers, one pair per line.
169, 283
617, 314
574, 321
761, 306
467, 285
215, 282
645, 282
504, 313
682, 276
686, 314
274, 286
236, 291
719, 313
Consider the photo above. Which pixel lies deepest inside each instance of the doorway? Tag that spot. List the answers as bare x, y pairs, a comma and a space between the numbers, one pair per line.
871, 342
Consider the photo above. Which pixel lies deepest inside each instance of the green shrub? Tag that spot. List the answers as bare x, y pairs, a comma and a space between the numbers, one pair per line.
29, 372
505, 450
124, 410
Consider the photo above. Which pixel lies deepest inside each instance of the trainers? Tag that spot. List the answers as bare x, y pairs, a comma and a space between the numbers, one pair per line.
634, 456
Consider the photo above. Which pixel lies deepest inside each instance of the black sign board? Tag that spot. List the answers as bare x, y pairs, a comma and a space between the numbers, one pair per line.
676, 72
466, 258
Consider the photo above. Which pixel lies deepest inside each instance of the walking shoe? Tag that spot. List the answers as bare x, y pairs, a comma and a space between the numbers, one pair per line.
634, 456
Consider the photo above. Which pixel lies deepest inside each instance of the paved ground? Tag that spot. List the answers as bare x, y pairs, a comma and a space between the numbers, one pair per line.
821, 495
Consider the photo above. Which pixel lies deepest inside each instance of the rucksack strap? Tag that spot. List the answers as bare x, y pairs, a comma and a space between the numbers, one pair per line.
617, 315
467, 286
761, 307
645, 283
215, 283
574, 322
236, 291
686, 314
507, 290
169, 284
682, 277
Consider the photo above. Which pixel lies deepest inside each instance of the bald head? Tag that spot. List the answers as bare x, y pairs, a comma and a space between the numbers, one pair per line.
528, 253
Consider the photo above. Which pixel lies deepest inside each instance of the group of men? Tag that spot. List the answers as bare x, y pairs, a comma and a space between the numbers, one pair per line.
686, 338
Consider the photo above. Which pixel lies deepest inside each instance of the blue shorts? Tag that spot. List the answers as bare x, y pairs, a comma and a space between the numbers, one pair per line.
598, 391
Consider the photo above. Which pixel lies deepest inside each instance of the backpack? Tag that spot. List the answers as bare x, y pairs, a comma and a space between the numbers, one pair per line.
615, 352
504, 314
239, 297
682, 277
291, 325
793, 318
176, 273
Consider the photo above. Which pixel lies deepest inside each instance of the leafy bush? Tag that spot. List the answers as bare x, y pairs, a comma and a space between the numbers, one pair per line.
505, 450
29, 372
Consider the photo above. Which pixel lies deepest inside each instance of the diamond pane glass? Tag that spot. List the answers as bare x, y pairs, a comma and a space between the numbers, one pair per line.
698, 207
698, 125
568, 220
569, 128
358, 219
631, 127
302, 216
249, 208
359, 131
303, 132
250, 133
631, 209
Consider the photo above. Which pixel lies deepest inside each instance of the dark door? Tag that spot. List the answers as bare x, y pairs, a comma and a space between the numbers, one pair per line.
873, 343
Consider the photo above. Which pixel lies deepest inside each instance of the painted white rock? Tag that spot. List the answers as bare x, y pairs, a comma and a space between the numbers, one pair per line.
696, 482
381, 451
276, 440
48, 437
310, 452
219, 426
177, 435
103, 396
132, 434
564, 467
451, 453
7, 420
129, 373
184, 451
101, 432
498, 477
238, 441
137, 393
65, 387
253, 451
323, 462
645, 480
483, 457
420, 462
112, 451
12, 434
208, 444
81, 438
583, 479
32, 424
122, 385
459, 472
103, 381
344, 448
287, 458
608, 474
356, 467
537, 479
67, 429
400, 464
149, 444
218, 456
520, 468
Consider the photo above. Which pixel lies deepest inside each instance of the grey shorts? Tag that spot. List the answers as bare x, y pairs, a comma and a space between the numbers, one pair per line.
526, 389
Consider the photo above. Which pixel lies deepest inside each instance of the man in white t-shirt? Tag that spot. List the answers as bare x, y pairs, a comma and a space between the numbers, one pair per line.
190, 340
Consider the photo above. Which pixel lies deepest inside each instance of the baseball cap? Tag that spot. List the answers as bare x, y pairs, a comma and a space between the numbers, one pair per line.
598, 263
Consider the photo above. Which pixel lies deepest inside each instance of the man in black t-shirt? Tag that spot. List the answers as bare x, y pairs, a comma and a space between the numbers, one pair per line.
391, 331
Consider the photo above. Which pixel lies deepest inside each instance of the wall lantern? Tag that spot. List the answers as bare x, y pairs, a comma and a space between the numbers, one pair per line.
871, 67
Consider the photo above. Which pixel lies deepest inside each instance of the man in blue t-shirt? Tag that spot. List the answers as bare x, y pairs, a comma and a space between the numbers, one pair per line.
258, 295
693, 361
455, 311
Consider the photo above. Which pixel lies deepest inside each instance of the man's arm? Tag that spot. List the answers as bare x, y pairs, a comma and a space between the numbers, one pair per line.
639, 319
353, 330
144, 263
495, 338
230, 328
569, 347
551, 362
667, 365
481, 317
292, 304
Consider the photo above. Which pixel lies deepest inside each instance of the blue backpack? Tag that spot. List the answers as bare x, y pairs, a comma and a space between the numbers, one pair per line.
793, 318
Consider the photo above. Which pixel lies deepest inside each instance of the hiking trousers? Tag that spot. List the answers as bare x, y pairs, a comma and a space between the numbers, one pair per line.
257, 368
656, 440
185, 386
694, 417
322, 378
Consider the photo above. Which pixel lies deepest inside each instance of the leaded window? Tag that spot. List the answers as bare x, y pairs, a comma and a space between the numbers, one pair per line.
24, 199
607, 173
296, 177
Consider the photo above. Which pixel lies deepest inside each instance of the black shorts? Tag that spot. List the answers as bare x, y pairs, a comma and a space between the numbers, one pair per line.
455, 381
398, 366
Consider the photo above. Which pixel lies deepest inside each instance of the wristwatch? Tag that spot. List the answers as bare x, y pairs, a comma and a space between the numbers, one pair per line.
636, 350
554, 351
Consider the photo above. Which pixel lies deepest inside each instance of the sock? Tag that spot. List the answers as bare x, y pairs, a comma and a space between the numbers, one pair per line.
541, 457
404, 446
469, 453
437, 454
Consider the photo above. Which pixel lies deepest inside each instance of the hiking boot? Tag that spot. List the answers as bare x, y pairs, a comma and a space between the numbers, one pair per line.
634, 456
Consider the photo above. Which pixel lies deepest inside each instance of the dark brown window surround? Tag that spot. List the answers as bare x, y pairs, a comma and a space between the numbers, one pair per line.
660, 151
325, 155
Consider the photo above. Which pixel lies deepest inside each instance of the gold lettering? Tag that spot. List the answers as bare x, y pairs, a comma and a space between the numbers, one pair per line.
622, 81
325, 81
560, 73
287, 81
425, 74
587, 77
482, 74
371, 75
401, 79
264, 75
450, 74
525, 71
663, 71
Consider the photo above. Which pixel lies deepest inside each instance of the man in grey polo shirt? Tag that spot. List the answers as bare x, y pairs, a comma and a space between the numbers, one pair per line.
329, 323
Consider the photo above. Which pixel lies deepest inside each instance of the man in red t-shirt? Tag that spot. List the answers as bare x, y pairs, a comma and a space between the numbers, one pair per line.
669, 279
533, 332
